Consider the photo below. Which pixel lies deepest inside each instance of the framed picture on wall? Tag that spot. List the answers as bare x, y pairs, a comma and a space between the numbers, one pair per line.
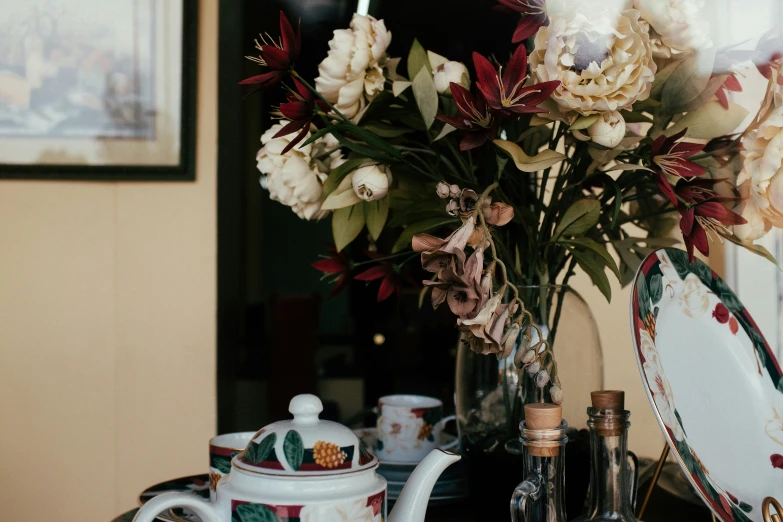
96, 89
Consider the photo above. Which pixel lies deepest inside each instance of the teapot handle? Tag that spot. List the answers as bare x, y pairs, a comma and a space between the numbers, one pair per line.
165, 501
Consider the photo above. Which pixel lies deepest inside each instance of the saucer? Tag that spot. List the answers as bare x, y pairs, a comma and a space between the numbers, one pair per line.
369, 437
198, 484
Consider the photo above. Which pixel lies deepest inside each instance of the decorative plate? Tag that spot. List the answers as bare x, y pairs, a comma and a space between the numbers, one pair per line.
712, 381
198, 484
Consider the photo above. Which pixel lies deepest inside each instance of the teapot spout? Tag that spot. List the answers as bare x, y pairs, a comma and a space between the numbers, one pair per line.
411, 506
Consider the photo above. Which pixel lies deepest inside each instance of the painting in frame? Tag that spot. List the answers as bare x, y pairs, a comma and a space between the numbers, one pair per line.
91, 89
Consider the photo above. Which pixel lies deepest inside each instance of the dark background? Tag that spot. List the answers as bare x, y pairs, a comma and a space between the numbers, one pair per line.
265, 333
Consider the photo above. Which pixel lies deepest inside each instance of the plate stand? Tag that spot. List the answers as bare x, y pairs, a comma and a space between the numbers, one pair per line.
766, 511
657, 475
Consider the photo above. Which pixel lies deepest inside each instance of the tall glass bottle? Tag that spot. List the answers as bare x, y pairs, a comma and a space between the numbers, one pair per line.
612, 474
541, 497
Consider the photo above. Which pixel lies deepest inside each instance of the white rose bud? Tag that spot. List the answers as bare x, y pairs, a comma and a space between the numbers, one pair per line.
454, 191
609, 130
533, 368
542, 378
557, 394
443, 190
450, 72
452, 208
371, 182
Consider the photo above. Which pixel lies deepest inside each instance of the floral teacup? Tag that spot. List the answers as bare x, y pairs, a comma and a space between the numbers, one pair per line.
409, 427
222, 449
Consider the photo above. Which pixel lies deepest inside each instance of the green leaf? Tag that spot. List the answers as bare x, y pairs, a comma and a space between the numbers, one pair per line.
756, 249
399, 86
386, 131
726, 295
643, 295
525, 163
376, 141
256, 513
319, 133
263, 448
293, 448
579, 218
445, 131
343, 196
417, 58
688, 81
656, 288
417, 228
436, 60
584, 122
222, 464
360, 148
375, 214
595, 270
710, 121
337, 175
426, 96
599, 250
680, 262
347, 223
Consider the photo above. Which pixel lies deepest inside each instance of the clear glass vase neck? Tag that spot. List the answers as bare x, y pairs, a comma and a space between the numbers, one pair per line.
541, 496
611, 475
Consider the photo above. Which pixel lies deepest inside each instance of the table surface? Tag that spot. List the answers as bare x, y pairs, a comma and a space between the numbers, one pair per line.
663, 507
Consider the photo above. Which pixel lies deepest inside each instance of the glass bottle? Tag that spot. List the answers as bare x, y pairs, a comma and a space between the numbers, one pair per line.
541, 497
613, 473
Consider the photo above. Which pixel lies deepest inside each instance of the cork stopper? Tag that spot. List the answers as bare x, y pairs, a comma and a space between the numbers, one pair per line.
611, 400
541, 416
608, 400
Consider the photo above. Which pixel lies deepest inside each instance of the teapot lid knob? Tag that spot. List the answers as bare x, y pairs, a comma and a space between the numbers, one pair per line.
305, 408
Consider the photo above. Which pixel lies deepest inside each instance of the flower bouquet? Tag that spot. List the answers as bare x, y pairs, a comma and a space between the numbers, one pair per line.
610, 123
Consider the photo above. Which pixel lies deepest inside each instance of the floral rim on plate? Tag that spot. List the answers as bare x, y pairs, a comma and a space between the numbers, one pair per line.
669, 270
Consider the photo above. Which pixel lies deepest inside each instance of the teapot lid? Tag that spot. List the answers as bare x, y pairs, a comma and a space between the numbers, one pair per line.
305, 445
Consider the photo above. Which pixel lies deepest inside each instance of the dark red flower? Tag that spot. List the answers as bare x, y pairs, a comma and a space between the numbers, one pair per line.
475, 119
278, 56
533, 17
730, 85
336, 263
505, 91
702, 210
391, 281
301, 108
721, 313
669, 156
776, 460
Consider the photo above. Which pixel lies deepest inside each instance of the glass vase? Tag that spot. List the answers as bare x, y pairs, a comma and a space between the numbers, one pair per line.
490, 397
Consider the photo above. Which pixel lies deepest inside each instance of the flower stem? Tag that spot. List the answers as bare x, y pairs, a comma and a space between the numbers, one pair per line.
393, 256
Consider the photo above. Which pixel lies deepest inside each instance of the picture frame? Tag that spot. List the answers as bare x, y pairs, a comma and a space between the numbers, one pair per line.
98, 90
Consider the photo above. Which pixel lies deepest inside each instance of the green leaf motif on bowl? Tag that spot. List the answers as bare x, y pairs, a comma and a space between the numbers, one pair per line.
293, 449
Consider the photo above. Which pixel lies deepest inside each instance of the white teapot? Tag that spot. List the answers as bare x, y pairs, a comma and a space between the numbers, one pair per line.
310, 470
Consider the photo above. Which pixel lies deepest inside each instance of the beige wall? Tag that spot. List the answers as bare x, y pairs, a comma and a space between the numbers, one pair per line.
620, 369
107, 332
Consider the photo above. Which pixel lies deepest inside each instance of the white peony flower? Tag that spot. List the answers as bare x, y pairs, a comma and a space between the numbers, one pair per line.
609, 130
398, 428
659, 385
346, 511
352, 73
296, 178
761, 178
448, 73
679, 24
694, 300
372, 182
601, 56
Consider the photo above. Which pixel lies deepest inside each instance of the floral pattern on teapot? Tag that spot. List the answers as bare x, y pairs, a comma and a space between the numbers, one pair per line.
323, 456
371, 509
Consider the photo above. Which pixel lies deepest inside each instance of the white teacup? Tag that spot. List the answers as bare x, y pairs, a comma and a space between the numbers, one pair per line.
222, 449
409, 427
